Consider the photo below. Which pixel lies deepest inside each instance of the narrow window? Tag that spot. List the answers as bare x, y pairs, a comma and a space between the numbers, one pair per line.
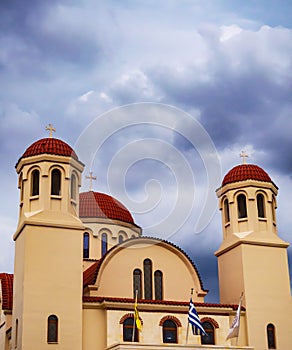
121, 239
52, 336
274, 209
241, 206
158, 285
226, 211
129, 326
56, 182
103, 244
261, 206
148, 279
137, 283
73, 187
86, 245
169, 332
271, 336
209, 338
16, 333
35, 182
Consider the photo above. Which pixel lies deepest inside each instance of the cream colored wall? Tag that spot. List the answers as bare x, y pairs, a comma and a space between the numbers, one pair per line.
51, 284
179, 275
152, 331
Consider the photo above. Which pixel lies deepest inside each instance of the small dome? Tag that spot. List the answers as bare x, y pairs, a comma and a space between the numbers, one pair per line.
245, 172
49, 145
100, 205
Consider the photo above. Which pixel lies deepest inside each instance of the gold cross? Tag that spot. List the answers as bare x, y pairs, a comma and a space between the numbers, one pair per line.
51, 129
90, 177
243, 155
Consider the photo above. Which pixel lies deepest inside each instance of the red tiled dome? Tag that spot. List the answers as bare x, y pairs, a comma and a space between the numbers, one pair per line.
50, 145
100, 205
245, 172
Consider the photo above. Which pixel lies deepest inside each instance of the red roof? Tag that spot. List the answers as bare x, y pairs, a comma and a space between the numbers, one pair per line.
50, 145
7, 290
100, 205
245, 172
88, 299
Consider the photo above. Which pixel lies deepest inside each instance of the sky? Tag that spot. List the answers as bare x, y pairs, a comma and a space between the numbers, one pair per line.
158, 98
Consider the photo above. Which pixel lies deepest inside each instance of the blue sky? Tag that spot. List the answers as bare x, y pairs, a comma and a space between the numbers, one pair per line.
224, 64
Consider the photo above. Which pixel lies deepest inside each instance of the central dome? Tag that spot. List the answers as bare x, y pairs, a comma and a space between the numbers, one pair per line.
245, 172
100, 205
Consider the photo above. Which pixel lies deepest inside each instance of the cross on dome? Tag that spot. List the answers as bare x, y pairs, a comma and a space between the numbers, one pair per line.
243, 155
90, 177
51, 129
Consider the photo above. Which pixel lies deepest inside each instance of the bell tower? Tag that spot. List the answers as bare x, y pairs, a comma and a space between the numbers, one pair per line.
252, 257
47, 300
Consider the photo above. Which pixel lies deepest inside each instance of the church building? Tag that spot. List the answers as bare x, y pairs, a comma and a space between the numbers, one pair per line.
81, 261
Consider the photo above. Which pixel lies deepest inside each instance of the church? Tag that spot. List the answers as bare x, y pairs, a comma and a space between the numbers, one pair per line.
81, 260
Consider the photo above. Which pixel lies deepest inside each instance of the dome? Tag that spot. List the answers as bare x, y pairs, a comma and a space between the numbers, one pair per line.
100, 205
245, 172
49, 145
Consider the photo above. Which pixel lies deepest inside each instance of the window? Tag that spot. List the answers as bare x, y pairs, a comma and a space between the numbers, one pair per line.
169, 332
158, 285
103, 244
16, 333
147, 279
121, 239
241, 206
128, 327
261, 206
226, 211
73, 187
271, 336
137, 283
86, 245
35, 182
56, 182
274, 209
209, 329
52, 336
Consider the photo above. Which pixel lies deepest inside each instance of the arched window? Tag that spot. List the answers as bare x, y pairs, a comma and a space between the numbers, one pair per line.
103, 244
226, 211
158, 285
137, 283
56, 182
209, 329
73, 187
35, 182
52, 335
241, 206
169, 332
261, 206
271, 336
121, 239
147, 279
86, 245
128, 327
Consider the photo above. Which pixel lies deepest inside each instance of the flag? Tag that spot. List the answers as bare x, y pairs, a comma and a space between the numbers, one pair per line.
194, 319
137, 317
234, 329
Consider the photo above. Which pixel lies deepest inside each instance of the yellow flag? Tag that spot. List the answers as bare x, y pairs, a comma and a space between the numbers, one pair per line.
136, 317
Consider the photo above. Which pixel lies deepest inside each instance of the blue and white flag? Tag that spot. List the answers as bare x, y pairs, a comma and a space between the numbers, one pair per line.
194, 320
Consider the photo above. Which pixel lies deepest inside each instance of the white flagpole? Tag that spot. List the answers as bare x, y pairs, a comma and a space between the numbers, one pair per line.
188, 326
134, 323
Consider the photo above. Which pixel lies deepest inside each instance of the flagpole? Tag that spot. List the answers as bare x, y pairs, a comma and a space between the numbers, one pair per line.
134, 322
188, 326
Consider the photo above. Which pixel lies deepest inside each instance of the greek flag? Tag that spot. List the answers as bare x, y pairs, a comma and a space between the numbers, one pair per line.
194, 320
